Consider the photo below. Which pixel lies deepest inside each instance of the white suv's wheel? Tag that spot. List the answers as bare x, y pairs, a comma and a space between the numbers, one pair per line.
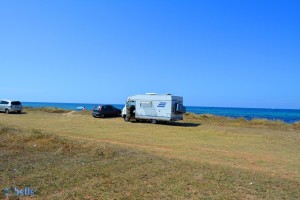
6, 111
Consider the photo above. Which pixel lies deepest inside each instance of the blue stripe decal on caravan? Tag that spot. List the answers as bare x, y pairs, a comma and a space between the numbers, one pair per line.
161, 104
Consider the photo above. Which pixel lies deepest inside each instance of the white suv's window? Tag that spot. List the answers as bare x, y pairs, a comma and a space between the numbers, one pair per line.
16, 103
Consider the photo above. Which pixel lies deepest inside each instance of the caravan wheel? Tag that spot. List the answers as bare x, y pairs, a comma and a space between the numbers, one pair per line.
153, 121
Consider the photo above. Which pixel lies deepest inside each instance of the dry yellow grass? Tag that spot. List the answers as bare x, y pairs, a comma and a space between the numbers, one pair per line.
55, 167
271, 147
202, 157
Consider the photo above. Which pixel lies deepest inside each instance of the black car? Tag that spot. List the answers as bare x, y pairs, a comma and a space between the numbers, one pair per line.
106, 111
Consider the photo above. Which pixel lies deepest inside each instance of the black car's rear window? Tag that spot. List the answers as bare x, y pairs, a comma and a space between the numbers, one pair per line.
15, 103
96, 107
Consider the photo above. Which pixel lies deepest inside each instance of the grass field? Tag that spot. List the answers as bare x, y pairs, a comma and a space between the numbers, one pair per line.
67, 155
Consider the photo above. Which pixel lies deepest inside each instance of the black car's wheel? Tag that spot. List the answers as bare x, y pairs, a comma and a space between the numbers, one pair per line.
6, 111
102, 115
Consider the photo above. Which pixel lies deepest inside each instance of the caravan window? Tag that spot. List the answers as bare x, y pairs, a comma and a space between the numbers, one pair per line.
146, 104
179, 108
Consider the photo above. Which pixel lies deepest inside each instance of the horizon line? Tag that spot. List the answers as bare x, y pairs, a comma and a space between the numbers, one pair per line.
273, 108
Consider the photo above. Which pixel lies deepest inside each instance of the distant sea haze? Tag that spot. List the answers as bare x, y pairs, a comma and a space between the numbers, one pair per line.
286, 115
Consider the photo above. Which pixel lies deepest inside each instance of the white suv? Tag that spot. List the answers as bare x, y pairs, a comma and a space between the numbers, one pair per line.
8, 106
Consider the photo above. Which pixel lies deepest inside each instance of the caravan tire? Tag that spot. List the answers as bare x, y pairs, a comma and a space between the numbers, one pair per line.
126, 119
153, 121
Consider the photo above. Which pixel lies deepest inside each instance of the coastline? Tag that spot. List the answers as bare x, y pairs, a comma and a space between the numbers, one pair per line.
286, 115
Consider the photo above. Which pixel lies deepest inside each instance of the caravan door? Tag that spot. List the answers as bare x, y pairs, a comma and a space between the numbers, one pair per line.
131, 109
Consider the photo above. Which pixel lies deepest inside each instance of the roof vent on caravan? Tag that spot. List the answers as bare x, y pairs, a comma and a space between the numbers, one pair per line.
152, 93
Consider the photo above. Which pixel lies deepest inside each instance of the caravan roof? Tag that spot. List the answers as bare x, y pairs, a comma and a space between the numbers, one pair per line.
158, 97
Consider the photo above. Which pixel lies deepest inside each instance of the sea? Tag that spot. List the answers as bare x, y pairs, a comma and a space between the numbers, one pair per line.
285, 115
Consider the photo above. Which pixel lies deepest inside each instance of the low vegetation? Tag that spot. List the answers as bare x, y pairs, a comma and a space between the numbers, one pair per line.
71, 155
47, 109
256, 122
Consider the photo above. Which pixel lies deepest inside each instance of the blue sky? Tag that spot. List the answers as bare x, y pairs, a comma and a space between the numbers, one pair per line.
213, 53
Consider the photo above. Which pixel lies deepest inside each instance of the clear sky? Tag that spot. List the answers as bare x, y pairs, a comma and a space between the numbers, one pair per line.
230, 53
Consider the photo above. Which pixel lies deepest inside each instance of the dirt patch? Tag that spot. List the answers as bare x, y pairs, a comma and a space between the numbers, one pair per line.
71, 113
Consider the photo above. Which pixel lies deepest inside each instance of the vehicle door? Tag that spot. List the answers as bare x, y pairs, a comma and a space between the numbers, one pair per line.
131, 108
116, 111
3, 105
104, 110
16, 105
110, 110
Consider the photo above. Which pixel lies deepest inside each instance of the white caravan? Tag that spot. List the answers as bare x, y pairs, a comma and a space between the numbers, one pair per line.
154, 107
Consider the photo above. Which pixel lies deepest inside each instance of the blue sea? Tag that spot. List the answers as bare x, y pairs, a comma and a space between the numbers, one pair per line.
286, 115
